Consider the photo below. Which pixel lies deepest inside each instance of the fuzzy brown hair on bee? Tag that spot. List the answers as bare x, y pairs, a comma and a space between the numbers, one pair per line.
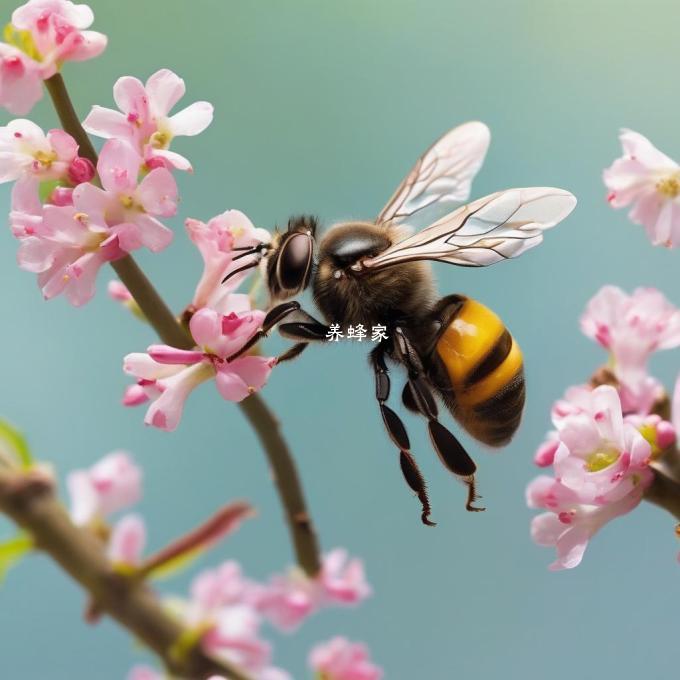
350, 297
455, 351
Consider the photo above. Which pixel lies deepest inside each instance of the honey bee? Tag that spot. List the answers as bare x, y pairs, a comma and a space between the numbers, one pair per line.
454, 349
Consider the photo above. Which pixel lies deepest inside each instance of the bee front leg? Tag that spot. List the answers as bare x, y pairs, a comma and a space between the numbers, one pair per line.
274, 316
450, 451
397, 433
304, 328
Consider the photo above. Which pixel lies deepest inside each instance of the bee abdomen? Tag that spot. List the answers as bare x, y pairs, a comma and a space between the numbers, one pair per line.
484, 367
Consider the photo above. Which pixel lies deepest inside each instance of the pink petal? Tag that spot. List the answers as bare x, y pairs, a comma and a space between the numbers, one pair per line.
131, 98
240, 378
158, 193
90, 44
192, 120
127, 540
206, 327
570, 548
546, 529
166, 411
141, 365
84, 498
107, 123
169, 158
63, 144
165, 89
152, 234
118, 166
164, 354
82, 274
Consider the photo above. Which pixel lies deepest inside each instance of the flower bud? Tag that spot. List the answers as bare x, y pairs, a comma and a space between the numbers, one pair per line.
81, 170
61, 196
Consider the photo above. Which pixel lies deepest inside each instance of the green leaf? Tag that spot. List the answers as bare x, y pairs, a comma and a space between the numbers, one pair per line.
175, 565
12, 551
14, 444
47, 187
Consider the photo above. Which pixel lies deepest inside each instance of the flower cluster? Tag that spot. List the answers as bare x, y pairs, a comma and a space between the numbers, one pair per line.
221, 322
42, 35
605, 436
631, 328
70, 217
229, 610
224, 607
649, 181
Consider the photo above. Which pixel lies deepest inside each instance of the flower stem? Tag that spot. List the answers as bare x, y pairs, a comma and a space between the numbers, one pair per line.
287, 482
173, 333
27, 497
664, 490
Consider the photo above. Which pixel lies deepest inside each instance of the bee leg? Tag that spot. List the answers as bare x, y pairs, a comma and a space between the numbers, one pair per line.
450, 451
292, 353
408, 399
274, 316
304, 329
397, 433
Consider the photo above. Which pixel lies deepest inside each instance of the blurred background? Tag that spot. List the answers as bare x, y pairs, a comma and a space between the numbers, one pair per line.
323, 107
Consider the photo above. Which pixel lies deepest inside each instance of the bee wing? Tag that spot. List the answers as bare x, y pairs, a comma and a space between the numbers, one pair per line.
493, 228
443, 174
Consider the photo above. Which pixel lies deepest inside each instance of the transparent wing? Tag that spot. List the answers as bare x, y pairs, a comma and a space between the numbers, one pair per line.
442, 175
494, 228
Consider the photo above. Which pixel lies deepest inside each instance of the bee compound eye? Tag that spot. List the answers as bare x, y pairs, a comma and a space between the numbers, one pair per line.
295, 261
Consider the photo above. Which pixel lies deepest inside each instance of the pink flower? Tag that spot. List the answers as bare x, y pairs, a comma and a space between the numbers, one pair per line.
599, 456
168, 375
235, 635
127, 541
42, 36
57, 32
290, 599
21, 81
568, 528
223, 586
659, 433
650, 181
632, 327
118, 291
340, 659
112, 484
26, 151
125, 203
216, 241
66, 248
601, 466
144, 118
145, 673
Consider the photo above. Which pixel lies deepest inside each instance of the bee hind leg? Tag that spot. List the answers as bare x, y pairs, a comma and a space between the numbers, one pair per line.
397, 433
450, 451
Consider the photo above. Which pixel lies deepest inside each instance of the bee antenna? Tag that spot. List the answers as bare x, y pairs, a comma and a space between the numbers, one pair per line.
250, 265
249, 251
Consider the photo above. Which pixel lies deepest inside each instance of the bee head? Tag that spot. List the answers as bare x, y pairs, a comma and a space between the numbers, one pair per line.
289, 267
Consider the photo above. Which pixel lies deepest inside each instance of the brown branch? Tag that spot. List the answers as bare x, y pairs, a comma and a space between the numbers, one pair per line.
28, 499
664, 491
287, 482
173, 333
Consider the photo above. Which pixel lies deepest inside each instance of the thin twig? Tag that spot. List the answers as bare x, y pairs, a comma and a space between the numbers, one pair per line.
28, 499
664, 490
173, 333
287, 482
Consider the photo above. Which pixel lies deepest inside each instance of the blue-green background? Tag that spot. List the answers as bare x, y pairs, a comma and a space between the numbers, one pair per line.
323, 107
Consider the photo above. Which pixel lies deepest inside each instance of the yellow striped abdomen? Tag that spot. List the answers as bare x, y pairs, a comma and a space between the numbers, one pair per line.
483, 364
